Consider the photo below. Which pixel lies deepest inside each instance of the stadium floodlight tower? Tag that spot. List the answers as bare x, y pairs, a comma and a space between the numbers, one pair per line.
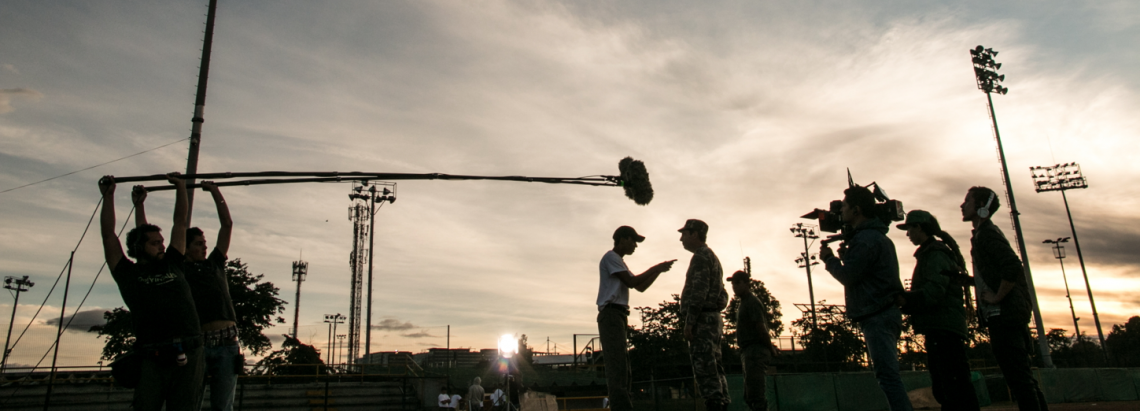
1059, 254
806, 259
369, 196
332, 320
985, 72
18, 285
1062, 177
300, 270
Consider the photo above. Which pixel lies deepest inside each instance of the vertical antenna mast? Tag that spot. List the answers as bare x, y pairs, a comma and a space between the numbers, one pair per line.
199, 106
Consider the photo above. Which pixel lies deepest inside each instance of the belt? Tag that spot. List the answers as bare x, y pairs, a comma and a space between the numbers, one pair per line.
187, 343
225, 336
621, 307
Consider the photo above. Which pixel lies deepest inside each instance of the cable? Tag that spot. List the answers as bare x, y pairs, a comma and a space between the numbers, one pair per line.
94, 166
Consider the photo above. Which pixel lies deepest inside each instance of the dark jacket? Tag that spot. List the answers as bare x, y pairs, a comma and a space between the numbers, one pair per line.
994, 261
934, 302
869, 271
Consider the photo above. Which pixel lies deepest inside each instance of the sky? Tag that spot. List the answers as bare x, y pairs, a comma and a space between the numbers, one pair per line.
747, 115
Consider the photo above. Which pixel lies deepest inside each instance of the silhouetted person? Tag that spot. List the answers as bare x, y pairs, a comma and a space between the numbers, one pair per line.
937, 310
613, 310
206, 274
702, 300
475, 395
1003, 297
165, 323
756, 348
869, 272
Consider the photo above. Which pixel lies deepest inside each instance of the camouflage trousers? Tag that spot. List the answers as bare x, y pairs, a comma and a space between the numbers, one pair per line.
708, 366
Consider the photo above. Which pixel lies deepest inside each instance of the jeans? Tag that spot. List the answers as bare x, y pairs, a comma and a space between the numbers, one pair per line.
612, 333
220, 367
950, 371
1009, 337
881, 332
179, 387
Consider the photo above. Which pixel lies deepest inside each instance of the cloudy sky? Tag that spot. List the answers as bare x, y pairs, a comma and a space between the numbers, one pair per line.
746, 113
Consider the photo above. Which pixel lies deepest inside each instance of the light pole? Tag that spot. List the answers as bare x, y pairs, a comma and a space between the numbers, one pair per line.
18, 285
985, 72
806, 259
332, 320
300, 270
1061, 177
384, 195
340, 348
1059, 254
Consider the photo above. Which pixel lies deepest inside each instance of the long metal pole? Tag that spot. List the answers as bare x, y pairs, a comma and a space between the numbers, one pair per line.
371, 243
296, 303
1043, 343
1081, 258
4, 362
199, 107
811, 289
328, 347
59, 332
1076, 328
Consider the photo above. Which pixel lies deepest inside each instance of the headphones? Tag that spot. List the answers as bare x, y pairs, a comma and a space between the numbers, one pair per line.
984, 212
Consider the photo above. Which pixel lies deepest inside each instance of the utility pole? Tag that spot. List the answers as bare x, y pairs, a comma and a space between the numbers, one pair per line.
1062, 177
806, 260
199, 107
18, 285
1059, 254
59, 332
300, 270
985, 72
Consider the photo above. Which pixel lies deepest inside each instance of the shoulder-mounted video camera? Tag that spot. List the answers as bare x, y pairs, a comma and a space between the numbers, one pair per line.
831, 220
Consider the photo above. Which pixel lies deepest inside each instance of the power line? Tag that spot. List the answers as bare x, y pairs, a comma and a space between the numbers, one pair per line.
94, 166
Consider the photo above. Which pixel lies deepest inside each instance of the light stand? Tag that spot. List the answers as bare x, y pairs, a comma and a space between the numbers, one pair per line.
1059, 254
332, 320
1062, 177
18, 285
372, 196
300, 270
806, 260
985, 72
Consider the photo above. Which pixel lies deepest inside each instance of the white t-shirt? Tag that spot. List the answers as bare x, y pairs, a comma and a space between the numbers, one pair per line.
610, 288
442, 399
454, 401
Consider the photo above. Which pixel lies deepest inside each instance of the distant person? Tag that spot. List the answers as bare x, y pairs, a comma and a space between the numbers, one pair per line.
613, 310
756, 348
498, 400
1003, 297
869, 272
206, 274
475, 395
702, 300
937, 310
444, 399
456, 399
167, 332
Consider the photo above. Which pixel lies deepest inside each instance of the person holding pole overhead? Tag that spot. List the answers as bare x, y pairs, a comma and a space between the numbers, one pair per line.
168, 334
206, 274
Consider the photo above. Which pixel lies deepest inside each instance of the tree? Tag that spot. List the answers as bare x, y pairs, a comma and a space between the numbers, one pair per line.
1124, 343
658, 347
833, 345
771, 304
255, 304
294, 358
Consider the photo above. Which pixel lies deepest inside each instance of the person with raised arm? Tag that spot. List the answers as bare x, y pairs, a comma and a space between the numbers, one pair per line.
206, 274
168, 335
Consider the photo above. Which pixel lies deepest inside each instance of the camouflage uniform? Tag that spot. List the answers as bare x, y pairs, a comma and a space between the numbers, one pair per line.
702, 300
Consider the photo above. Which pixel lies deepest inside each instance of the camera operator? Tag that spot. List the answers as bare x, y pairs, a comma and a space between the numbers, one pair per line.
869, 272
1003, 297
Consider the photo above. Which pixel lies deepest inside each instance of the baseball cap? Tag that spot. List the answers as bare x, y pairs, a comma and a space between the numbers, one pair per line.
696, 226
739, 275
915, 217
626, 231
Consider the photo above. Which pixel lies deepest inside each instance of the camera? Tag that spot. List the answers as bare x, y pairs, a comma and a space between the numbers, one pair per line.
831, 219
